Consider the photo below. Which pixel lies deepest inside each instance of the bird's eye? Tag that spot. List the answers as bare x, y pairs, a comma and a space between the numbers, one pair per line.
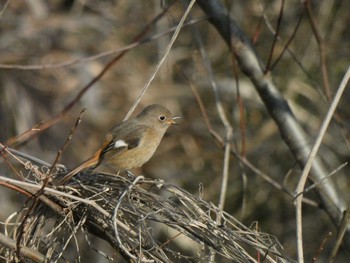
162, 117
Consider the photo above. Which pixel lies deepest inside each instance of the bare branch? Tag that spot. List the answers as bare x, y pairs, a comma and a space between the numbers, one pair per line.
292, 133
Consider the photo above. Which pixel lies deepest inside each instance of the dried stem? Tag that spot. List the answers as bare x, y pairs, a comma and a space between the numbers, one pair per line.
322, 49
92, 199
162, 59
310, 160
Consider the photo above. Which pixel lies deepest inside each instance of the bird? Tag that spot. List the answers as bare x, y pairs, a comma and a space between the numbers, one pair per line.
131, 143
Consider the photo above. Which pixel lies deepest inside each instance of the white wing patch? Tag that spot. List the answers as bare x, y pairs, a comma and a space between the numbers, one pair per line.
120, 144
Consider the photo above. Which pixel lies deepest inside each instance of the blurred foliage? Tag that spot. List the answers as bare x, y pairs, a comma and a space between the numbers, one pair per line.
54, 32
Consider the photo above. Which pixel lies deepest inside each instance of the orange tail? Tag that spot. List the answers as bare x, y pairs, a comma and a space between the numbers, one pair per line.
92, 161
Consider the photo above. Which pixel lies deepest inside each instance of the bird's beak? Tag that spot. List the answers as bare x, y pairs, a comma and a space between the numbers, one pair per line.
172, 121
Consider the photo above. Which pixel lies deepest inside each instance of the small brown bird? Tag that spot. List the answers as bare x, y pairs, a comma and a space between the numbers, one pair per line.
131, 143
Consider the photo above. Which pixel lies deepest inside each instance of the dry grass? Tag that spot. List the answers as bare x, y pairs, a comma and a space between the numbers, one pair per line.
145, 220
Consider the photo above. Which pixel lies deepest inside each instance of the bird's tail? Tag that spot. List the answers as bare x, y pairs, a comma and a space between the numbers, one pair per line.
89, 163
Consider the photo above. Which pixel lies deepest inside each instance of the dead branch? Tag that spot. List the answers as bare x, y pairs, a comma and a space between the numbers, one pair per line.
126, 214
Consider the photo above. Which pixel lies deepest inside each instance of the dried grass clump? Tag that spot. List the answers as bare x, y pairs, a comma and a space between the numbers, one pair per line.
131, 215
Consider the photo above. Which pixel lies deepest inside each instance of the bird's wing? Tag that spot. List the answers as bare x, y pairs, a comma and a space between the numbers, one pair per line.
122, 138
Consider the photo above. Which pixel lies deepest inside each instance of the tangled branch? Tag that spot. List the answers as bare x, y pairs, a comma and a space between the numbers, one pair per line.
143, 219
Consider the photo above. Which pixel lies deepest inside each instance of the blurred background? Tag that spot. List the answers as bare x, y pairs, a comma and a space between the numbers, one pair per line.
48, 51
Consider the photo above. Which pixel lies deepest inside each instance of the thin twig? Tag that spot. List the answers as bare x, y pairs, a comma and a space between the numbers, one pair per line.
322, 49
204, 113
161, 61
286, 48
275, 39
59, 153
314, 185
308, 165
